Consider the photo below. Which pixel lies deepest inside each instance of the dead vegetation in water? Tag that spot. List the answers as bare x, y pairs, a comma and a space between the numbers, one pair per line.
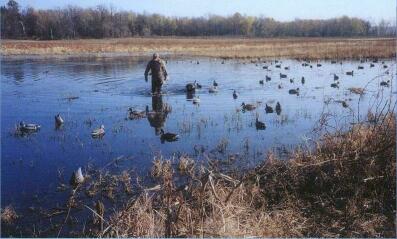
309, 48
8, 215
344, 187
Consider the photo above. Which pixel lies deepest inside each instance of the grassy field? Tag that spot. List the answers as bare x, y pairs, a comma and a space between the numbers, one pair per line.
312, 48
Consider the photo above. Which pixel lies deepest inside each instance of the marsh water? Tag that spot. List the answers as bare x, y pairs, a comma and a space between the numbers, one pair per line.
88, 92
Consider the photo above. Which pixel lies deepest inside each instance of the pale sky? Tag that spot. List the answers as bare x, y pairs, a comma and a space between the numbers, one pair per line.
283, 10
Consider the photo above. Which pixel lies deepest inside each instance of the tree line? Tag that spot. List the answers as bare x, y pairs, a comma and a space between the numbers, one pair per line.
105, 22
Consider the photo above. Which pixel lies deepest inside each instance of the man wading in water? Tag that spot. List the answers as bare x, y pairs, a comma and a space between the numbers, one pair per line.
158, 71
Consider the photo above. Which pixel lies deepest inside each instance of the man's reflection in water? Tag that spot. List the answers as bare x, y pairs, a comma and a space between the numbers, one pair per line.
159, 113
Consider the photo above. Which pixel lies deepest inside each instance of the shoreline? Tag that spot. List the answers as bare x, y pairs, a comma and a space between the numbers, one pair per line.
229, 48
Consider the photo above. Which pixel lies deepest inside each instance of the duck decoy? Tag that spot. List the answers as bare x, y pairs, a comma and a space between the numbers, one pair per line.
280, 86
198, 86
303, 80
291, 80
333, 62
196, 100
286, 68
371, 65
198, 62
58, 120
278, 108
28, 127
265, 67
248, 107
344, 104
215, 84
190, 87
268, 78
350, 73
294, 91
385, 83
319, 65
268, 109
235, 95
385, 66
336, 77
77, 178
134, 114
98, 132
213, 89
311, 66
261, 82
283, 75
335, 85
278, 66
360, 67
169, 137
259, 124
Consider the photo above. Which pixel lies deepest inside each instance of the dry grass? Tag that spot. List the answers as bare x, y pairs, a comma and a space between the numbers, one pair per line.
8, 215
344, 187
312, 48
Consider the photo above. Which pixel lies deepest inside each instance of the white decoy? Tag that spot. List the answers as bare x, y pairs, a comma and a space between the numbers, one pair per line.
235, 95
196, 100
58, 120
213, 89
98, 132
29, 127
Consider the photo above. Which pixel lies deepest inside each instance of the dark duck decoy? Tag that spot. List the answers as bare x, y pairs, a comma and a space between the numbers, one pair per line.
291, 80
134, 114
385, 83
303, 80
261, 82
259, 125
268, 78
335, 85
248, 107
268, 109
215, 84
169, 137
235, 95
350, 73
283, 75
336, 77
294, 91
278, 108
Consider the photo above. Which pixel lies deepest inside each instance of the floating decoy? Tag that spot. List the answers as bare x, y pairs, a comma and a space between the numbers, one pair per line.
235, 95
385, 66
303, 80
77, 178
58, 119
28, 127
268, 78
286, 68
261, 82
360, 67
333, 62
344, 104
350, 73
215, 83
169, 137
265, 67
280, 86
335, 85
319, 65
294, 91
371, 65
278, 66
134, 114
336, 77
248, 107
190, 87
268, 109
196, 100
259, 124
385, 83
278, 108
291, 80
223, 62
198, 62
311, 66
213, 89
198, 86
98, 132
283, 76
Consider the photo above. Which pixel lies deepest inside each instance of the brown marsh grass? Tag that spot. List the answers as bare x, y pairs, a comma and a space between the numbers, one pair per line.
311, 48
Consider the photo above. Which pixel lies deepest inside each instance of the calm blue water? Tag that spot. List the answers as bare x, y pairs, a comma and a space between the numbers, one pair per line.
36, 90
